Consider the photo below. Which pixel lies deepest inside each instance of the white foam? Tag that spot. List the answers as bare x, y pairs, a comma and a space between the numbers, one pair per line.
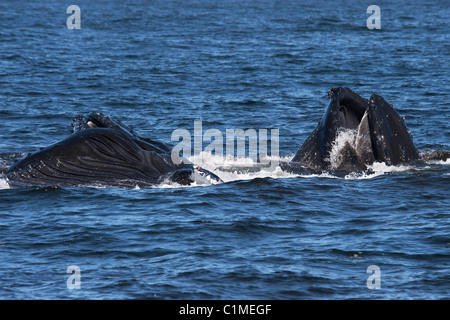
439, 162
235, 169
382, 167
343, 137
3, 184
231, 169
362, 175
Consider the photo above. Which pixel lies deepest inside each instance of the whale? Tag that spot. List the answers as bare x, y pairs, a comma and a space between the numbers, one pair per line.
108, 153
375, 133
103, 152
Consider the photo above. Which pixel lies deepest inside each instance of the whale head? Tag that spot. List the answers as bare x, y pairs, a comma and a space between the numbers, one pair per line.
355, 132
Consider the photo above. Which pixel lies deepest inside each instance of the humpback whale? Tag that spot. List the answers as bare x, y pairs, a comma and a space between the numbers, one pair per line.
102, 152
377, 134
106, 152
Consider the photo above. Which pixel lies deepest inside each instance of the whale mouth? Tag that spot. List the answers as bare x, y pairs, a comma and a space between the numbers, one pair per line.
378, 134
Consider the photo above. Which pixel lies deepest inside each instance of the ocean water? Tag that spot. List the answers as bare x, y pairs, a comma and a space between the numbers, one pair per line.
263, 234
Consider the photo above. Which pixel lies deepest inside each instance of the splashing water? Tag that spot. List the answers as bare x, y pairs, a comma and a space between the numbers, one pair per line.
344, 137
231, 169
3, 184
241, 168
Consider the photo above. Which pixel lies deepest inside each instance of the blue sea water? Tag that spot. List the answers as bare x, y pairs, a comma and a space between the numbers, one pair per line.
161, 65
